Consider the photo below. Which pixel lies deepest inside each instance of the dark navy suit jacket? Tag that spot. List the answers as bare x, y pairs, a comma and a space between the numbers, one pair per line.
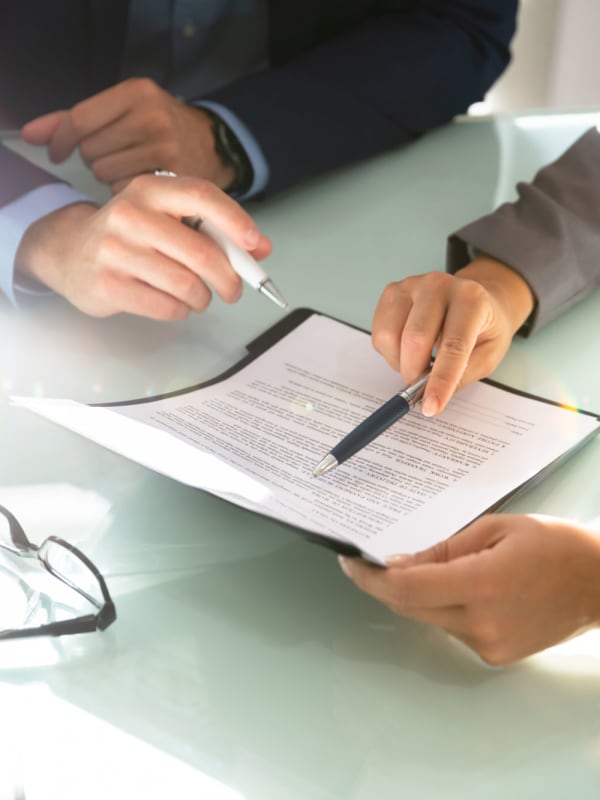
347, 78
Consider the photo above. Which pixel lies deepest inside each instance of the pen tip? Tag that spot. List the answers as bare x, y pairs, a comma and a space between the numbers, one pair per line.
269, 290
326, 465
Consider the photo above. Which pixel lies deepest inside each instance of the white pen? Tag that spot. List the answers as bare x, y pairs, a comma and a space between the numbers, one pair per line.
242, 262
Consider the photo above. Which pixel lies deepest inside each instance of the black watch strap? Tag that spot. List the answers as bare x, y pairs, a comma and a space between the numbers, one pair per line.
232, 154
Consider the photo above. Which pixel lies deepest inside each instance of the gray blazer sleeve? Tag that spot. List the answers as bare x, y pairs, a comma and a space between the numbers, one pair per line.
550, 235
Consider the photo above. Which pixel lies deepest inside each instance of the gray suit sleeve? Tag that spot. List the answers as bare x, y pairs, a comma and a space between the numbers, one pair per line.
550, 235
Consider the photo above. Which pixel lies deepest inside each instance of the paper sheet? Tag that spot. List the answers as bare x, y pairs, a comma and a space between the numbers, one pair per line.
256, 437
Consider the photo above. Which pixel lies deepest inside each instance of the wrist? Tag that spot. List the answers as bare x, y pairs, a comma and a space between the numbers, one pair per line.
41, 248
509, 288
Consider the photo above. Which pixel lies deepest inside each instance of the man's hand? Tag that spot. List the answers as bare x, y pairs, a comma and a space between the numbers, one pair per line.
507, 586
135, 255
129, 129
471, 317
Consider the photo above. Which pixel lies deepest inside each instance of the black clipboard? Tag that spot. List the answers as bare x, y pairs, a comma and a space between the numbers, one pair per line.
280, 330
263, 342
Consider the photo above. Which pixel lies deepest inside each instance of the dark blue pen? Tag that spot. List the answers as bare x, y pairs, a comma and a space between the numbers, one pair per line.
373, 426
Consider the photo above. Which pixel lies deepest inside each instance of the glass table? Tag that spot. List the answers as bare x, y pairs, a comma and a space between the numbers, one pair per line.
243, 665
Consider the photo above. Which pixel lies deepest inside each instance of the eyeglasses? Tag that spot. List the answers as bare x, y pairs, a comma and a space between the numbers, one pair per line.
69, 565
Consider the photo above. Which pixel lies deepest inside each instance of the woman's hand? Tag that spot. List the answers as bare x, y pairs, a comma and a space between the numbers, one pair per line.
470, 317
507, 585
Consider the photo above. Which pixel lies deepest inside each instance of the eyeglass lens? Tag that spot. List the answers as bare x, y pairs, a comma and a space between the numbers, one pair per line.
45, 588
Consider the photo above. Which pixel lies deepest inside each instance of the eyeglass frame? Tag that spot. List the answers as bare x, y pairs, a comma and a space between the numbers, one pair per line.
86, 623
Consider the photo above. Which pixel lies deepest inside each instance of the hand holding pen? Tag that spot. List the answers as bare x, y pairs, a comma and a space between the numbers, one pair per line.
373, 426
470, 318
240, 260
134, 255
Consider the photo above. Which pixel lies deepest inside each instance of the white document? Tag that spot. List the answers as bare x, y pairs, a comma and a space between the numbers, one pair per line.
255, 437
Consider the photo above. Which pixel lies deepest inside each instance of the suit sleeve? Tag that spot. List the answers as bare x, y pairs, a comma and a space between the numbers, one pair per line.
401, 69
550, 235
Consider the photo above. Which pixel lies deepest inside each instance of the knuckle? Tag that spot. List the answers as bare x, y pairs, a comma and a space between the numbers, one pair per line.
108, 253
159, 120
85, 150
77, 116
98, 170
435, 281
173, 311
203, 303
143, 87
386, 341
415, 336
453, 346
189, 287
140, 185
391, 291
204, 194
231, 292
472, 291
199, 189
122, 211
162, 306
398, 291
417, 344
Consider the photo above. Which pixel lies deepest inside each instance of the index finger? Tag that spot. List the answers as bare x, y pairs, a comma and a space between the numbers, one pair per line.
39, 131
87, 117
190, 197
462, 326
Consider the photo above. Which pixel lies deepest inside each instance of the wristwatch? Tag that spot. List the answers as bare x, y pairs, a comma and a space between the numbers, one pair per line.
232, 154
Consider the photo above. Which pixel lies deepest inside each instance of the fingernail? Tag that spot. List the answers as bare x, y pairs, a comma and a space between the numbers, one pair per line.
430, 406
401, 560
252, 237
344, 565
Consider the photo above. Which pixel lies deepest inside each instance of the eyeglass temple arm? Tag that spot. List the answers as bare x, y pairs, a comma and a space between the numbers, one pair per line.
84, 624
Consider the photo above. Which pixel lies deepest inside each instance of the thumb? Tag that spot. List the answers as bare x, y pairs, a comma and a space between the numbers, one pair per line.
485, 532
39, 131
